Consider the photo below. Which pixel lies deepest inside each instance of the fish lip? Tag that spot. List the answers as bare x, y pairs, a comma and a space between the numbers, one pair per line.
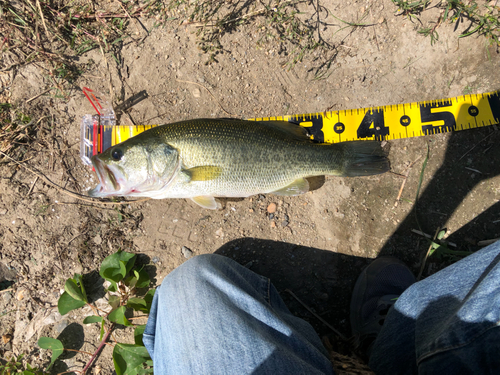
106, 178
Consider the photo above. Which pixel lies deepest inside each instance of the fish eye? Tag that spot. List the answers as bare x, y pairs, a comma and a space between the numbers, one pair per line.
117, 154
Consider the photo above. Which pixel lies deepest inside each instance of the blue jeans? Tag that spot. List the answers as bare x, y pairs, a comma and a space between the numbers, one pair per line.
447, 323
214, 316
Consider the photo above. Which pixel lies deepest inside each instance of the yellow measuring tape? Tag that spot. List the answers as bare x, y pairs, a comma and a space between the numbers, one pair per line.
373, 123
401, 120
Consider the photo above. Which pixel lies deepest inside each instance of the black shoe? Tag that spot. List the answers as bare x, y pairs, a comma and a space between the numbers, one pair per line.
376, 290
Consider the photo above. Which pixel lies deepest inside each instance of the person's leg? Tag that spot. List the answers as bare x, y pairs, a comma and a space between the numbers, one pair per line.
447, 323
214, 316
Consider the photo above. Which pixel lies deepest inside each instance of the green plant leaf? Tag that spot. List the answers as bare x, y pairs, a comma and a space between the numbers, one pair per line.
116, 266
138, 332
143, 279
53, 344
123, 268
73, 290
67, 303
129, 358
441, 234
138, 304
131, 281
114, 301
79, 280
113, 287
102, 331
118, 316
149, 370
141, 371
149, 299
92, 319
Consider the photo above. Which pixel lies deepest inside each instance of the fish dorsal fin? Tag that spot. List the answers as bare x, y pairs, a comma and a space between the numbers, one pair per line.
299, 186
296, 131
203, 173
206, 201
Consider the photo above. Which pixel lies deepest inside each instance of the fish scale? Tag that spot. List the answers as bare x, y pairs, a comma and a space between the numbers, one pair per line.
239, 148
209, 158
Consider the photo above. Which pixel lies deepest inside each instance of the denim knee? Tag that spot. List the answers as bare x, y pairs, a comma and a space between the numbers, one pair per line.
193, 273
193, 267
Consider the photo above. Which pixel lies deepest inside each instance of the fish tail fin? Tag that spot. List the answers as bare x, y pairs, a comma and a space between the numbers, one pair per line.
364, 158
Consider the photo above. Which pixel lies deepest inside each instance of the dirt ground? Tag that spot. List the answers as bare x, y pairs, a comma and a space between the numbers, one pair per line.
315, 244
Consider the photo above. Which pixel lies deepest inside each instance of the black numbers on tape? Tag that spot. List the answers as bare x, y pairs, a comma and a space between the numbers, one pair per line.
405, 120
339, 128
373, 125
428, 115
473, 110
494, 101
316, 129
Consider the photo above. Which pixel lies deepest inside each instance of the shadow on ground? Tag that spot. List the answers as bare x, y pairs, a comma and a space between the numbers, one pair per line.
321, 279
324, 280
471, 159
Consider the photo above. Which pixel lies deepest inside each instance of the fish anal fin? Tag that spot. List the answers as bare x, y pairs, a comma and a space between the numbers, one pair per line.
299, 186
203, 173
206, 201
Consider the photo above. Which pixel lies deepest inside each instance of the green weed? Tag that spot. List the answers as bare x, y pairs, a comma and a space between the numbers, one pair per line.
16, 129
470, 89
15, 366
53, 33
483, 19
126, 280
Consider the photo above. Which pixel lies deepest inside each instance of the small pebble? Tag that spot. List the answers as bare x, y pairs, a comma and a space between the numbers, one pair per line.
7, 297
188, 253
6, 338
273, 224
284, 223
155, 260
98, 239
271, 208
20, 295
271, 216
59, 327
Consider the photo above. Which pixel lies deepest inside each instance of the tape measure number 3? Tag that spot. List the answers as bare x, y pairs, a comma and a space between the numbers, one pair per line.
401, 120
98, 132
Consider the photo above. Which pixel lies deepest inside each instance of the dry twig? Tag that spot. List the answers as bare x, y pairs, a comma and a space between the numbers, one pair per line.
489, 135
404, 181
66, 191
340, 335
38, 95
430, 237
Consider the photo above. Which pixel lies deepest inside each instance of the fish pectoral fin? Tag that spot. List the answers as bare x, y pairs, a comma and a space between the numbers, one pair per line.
207, 201
299, 186
203, 173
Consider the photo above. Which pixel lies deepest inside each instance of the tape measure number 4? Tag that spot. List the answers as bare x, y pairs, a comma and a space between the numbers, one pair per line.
401, 120
375, 123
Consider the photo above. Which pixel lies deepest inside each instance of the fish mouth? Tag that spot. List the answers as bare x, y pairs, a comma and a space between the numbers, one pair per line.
108, 183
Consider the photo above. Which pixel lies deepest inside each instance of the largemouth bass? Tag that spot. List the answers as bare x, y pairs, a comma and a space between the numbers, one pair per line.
207, 158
